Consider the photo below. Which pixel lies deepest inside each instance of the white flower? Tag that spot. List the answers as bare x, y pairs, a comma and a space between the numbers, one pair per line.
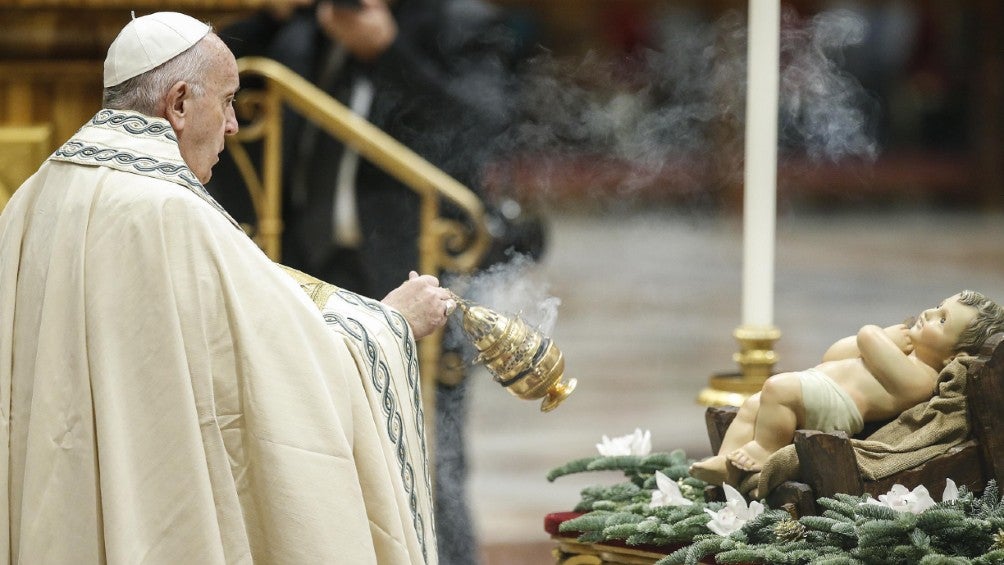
734, 514
951, 492
901, 499
638, 443
668, 493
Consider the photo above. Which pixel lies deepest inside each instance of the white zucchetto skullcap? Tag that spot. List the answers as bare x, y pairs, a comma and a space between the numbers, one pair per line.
148, 42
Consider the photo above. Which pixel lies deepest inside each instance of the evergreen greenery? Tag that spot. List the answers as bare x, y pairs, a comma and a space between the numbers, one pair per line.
968, 530
850, 532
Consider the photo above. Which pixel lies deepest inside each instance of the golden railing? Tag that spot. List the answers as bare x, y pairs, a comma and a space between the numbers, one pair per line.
443, 244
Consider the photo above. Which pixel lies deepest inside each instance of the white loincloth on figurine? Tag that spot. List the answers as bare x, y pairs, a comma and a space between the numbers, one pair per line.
827, 406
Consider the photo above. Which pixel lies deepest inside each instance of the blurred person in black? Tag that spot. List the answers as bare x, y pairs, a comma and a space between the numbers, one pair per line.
437, 75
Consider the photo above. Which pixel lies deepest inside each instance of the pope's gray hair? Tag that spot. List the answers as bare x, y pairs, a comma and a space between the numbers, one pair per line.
142, 93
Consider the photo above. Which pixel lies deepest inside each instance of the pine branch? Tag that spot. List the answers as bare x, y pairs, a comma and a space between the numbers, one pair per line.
664, 461
938, 559
837, 560
620, 531
617, 495
995, 557
875, 512
592, 522
615, 463
693, 553
937, 519
572, 467
842, 506
825, 524
885, 532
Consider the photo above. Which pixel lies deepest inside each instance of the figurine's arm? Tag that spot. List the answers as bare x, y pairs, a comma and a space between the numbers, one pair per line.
847, 348
901, 376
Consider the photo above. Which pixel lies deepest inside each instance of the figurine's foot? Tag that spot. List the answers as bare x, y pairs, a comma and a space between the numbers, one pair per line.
734, 476
749, 457
710, 470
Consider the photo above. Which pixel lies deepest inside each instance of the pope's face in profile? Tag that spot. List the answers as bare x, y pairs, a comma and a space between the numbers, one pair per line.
210, 112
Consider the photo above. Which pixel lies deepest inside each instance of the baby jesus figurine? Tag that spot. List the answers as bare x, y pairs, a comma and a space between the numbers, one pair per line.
871, 376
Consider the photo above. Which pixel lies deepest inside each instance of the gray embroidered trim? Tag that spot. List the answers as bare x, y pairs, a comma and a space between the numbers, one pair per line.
379, 375
77, 151
135, 124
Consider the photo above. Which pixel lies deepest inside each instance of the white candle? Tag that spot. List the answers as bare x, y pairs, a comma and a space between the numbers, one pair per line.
759, 195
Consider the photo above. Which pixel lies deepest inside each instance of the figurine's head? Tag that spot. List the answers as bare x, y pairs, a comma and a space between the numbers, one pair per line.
988, 321
961, 323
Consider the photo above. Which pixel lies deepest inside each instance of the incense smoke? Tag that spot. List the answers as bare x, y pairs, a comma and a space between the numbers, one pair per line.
823, 109
683, 101
670, 113
514, 288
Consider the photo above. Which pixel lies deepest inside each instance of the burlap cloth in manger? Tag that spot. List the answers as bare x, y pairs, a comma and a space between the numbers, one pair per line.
919, 434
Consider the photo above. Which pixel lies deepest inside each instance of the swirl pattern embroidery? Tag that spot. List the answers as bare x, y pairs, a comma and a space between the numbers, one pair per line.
77, 151
401, 329
131, 124
135, 124
379, 375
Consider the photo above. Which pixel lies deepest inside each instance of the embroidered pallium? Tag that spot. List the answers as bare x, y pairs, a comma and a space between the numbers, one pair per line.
133, 124
74, 149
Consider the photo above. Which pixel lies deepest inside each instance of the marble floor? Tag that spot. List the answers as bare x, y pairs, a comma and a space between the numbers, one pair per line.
648, 305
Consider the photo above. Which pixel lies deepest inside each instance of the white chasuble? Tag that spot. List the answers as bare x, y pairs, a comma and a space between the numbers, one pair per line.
169, 395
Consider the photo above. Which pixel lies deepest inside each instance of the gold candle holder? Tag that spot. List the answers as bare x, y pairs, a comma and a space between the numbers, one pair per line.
524, 361
756, 359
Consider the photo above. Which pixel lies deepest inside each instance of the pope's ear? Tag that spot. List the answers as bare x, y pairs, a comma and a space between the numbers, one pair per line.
175, 104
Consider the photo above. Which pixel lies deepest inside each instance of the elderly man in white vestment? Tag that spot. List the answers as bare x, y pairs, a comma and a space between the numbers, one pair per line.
169, 394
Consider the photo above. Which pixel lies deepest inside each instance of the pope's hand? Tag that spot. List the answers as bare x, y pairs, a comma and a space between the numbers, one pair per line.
422, 302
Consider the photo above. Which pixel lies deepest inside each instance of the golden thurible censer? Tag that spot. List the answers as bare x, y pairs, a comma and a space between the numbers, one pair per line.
523, 360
